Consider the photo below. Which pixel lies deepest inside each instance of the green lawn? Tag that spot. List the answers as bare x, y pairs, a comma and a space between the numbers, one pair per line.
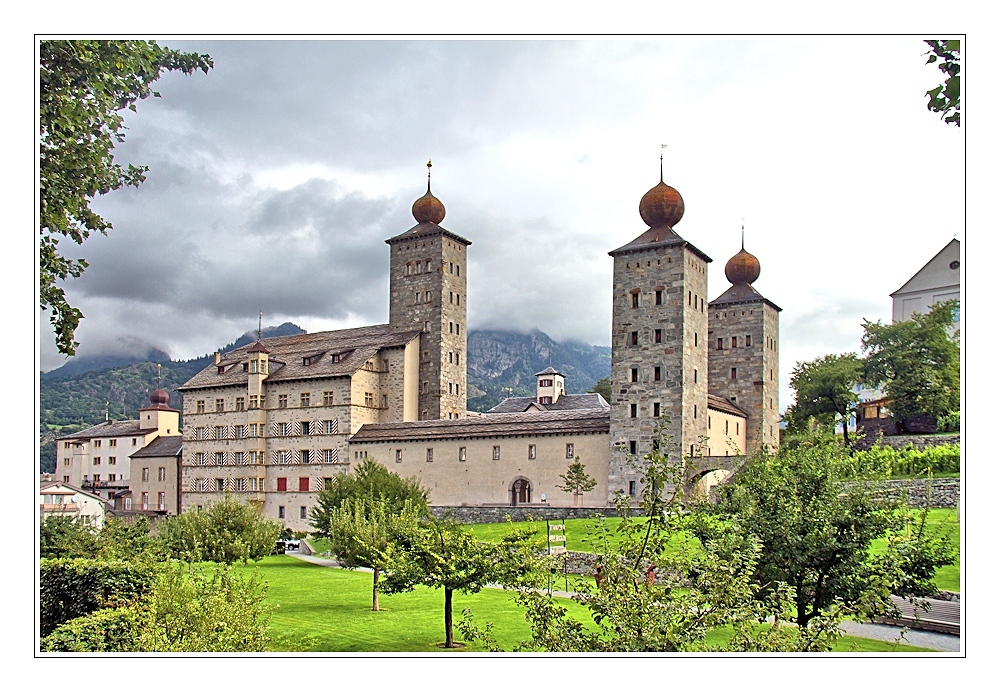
581, 536
320, 609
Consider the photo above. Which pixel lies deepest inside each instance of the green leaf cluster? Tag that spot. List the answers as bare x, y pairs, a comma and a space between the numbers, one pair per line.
823, 391
916, 361
946, 98
84, 85
226, 531
369, 481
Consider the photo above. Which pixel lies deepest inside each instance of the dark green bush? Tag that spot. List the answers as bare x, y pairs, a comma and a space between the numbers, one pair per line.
71, 588
108, 629
951, 422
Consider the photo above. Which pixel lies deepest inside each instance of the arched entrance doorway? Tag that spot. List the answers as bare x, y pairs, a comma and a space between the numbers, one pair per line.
520, 492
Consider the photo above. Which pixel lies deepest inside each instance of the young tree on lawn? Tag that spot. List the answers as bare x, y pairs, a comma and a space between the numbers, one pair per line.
440, 553
823, 391
697, 587
363, 533
226, 531
815, 513
917, 362
577, 481
369, 480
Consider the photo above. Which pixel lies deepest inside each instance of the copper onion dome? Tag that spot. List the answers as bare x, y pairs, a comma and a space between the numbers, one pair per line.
159, 396
428, 209
661, 206
742, 268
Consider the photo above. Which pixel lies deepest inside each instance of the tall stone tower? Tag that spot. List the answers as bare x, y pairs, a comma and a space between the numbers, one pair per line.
743, 350
659, 359
427, 292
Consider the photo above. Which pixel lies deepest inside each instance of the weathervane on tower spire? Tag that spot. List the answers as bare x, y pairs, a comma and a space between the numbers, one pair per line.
429, 164
662, 147
260, 320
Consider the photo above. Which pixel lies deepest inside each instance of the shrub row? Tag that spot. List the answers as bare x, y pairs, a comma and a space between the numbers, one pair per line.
107, 629
911, 461
71, 588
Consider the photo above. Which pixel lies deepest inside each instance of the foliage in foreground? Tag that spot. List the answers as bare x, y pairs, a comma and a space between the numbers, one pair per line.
226, 531
816, 512
84, 86
67, 537
823, 390
185, 610
946, 98
648, 598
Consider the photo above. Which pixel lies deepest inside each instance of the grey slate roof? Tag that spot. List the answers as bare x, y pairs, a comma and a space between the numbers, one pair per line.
493, 425
661, 236
567, 402
287, 354
741, 293
426, 229
111, 428
726, 406
163, 446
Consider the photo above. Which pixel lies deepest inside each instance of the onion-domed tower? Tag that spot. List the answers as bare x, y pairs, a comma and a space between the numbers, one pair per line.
743, 351
158, 415
659, 362
427, 293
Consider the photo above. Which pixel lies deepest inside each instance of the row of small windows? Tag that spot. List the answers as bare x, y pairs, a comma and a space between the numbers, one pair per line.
649, 263
425, 297
454, 328
634, 410
284, 429
98, 443
463, 453
695, 303
257, 458
161, 501
734, 342
425, 267
657, 297
258, 401
633, 337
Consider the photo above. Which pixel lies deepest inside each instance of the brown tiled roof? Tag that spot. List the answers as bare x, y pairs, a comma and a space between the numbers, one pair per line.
725, 406
742, 293
111, 428
662, 236
492, 425
567, 402
424, 230
288, 354
163, 446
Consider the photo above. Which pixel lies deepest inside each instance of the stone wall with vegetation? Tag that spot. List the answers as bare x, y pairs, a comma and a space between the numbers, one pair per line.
496, 514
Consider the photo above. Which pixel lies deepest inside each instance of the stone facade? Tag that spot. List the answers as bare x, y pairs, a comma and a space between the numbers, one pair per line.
743, 365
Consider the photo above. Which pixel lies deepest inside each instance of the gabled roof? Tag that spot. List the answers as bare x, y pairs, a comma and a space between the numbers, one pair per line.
304, 356
110, 428
718, 403
60, 488
924, 279
567, 402
549, 371
163, 446
493, 425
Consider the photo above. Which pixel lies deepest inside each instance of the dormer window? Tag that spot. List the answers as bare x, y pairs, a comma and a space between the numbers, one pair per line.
337, 357
222, 369
309, 360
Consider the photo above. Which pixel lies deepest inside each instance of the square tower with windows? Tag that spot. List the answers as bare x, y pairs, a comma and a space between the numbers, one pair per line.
427, 292
659, 359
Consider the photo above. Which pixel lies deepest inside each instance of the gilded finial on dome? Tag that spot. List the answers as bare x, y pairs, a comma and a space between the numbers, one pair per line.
742, 268
428, 209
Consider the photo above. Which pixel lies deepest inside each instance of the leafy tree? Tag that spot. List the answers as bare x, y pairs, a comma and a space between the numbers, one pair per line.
602, 387
363, 534
83, 88
66, 537
916, 361
823, 390
946, 98
654, 599
577, 481
369, 480
440, 553
226, 531
815, 513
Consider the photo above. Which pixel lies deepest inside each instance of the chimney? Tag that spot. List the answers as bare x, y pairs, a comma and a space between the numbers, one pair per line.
218, 358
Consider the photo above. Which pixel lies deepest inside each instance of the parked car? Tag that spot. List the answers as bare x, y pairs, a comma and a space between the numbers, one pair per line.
292, 545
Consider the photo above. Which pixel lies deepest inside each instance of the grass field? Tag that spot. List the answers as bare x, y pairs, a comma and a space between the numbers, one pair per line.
581, 536
321, 609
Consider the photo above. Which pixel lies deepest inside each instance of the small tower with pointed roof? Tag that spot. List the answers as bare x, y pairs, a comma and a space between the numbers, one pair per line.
427, 293
659, 362
550, 385
743, 350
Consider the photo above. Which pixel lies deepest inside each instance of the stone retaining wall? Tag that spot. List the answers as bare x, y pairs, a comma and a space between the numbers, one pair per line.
497, 514
901, 441
945, 492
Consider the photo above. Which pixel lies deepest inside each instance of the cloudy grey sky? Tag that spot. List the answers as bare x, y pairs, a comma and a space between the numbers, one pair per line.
275, 179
